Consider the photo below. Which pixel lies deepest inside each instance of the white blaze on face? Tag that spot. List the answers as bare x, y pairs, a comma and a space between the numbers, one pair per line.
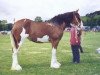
82, 24
43, 39
72, 24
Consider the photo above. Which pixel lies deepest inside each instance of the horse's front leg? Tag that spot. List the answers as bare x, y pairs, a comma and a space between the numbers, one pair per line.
54, 62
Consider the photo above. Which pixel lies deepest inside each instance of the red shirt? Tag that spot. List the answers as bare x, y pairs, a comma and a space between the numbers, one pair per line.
74, 39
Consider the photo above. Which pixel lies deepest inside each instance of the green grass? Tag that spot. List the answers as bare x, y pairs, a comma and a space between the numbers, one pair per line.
35, 58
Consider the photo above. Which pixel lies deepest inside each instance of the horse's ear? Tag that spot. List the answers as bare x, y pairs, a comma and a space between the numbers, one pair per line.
77, 10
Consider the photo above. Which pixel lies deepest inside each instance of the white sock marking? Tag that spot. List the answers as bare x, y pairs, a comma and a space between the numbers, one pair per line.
54, 62
54, 55
14, 57
15, 65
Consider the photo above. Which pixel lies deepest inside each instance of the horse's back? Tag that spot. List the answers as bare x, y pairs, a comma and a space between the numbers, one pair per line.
21, 23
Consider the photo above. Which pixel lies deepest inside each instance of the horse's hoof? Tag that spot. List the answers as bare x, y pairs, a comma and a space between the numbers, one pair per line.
55, 65
17, 67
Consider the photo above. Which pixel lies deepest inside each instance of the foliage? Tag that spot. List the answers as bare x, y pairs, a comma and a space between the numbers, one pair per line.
4, 25
92, 19
9, 26
35, 58
38, 19
93, 14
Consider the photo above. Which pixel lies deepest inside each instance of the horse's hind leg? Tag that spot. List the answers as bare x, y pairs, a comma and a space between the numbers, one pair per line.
16, 43
15, 64
54, 62
15, 48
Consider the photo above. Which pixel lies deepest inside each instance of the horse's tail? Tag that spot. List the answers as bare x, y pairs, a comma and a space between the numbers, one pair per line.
12, 38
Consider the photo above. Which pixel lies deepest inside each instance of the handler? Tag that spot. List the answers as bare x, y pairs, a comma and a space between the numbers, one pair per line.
75, 44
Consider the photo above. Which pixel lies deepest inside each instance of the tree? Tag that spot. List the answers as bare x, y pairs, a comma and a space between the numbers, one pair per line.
4, 24
92, 19
0, 26
9, 26
38, 19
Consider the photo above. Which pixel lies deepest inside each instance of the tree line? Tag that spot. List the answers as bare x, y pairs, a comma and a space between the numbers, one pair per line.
92, 19
4, 26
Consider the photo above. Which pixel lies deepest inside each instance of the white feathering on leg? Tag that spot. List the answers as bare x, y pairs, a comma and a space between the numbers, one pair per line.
54, 62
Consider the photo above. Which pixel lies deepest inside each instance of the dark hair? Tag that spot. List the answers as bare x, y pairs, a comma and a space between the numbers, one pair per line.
59, 19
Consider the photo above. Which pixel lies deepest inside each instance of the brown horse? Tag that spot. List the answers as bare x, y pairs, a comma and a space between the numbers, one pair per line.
50, 31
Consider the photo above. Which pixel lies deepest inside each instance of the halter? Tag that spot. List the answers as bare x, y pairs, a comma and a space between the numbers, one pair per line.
80, 25
76, 20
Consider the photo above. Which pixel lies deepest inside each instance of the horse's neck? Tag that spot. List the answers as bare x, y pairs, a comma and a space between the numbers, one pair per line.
63, 26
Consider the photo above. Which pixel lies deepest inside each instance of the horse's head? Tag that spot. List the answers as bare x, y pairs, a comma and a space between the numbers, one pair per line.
76, 21
67, 19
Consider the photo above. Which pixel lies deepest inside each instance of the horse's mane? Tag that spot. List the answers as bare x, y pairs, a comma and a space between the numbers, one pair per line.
59, 19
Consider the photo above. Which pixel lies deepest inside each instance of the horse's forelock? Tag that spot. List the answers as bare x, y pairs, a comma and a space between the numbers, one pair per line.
78, 17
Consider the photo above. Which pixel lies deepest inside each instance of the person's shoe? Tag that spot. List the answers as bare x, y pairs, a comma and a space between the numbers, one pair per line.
76, 62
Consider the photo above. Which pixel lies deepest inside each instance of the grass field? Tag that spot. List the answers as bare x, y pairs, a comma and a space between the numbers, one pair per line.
35, 58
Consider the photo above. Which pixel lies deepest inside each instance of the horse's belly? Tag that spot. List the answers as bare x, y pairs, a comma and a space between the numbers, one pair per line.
42, 39
45, 38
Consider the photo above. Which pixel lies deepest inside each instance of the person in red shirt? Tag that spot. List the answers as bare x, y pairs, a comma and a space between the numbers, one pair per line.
75, 43
79, 33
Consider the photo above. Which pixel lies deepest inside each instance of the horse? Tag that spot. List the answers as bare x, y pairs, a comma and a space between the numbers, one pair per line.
41, 32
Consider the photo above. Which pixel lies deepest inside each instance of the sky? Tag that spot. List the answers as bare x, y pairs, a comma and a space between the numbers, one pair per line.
18, 9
